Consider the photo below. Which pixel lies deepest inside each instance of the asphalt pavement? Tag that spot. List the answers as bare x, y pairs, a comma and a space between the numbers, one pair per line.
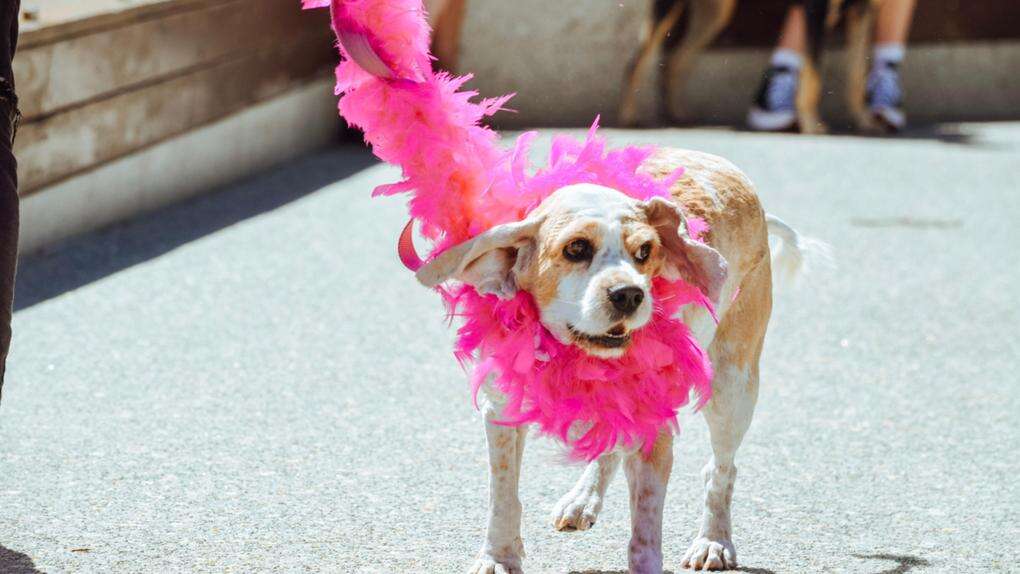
251, 382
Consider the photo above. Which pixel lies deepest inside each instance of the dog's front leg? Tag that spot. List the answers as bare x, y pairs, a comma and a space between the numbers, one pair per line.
647, 477
503, 549
579, 508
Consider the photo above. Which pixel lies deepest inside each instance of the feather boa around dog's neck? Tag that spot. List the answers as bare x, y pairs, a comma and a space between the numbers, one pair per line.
462, 183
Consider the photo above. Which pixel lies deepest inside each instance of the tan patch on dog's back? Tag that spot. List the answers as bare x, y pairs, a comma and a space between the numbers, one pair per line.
715, 190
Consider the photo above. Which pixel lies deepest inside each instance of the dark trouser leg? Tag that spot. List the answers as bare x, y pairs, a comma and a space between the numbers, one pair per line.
8, 176
8, 242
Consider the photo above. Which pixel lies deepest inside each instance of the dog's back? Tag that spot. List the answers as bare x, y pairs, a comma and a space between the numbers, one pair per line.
716, 191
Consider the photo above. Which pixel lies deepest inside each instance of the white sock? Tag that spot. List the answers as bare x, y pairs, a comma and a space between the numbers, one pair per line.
787, 58
889, 53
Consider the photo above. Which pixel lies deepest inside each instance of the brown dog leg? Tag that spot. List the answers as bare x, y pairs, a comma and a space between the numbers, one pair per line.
446, 36
706, 19
859, 21
639, 65
809, 92
647, 478
818, 16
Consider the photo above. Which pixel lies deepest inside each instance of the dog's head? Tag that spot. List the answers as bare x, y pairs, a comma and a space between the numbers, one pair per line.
587, 255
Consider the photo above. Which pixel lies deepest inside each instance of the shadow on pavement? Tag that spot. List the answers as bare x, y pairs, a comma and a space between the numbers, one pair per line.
955, 134
14, 562
90, 257
907, 222
739, 569
904, 563
610, 572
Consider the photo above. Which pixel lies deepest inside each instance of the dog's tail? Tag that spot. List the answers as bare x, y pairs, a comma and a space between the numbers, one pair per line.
419, 118
795, 254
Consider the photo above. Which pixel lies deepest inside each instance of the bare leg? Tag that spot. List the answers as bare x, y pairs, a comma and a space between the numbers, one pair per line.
794, 33
706, 19
647, 478
894, 18
503, 550
793, 37
580, 507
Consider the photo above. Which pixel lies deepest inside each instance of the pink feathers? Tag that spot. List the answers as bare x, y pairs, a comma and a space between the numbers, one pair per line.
590, 404
431, 131
416, 118
388, 38
461, 183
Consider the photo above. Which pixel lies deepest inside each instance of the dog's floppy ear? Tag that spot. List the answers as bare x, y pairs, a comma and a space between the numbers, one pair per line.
487, 261
687, 259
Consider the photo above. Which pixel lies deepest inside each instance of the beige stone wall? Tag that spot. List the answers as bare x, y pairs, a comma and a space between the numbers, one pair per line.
565, 64
99, 84
941, 82
566, 61
133, 104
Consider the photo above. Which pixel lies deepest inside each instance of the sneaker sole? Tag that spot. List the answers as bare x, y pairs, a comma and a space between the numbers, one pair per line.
761, 120
893, 118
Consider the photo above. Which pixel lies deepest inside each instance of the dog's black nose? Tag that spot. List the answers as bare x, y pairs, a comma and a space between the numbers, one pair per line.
626, 299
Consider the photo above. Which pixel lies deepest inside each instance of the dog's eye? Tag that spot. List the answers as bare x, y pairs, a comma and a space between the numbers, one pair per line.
643, 252
579, 250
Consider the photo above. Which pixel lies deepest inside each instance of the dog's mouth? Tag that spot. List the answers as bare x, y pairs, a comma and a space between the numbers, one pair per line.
614, 338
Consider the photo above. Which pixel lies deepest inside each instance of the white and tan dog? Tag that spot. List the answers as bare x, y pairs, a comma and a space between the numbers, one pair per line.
587, 255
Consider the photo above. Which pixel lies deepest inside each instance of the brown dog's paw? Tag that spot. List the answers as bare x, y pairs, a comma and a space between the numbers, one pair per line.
870, 125
816, 128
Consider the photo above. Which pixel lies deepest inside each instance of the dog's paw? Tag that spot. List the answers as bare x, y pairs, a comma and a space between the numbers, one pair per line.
868, 124
576, 511
814, 128
706, 554
487, 564
627, 116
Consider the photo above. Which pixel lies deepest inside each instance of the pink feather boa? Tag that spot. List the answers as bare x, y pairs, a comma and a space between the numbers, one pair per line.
462, 183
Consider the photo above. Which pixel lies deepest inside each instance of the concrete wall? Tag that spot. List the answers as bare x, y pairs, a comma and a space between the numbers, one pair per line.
194, 162
131, 104
563, 63
941, 82
566, 62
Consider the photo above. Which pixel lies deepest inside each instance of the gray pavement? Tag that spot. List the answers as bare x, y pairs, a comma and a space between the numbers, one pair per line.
251, 382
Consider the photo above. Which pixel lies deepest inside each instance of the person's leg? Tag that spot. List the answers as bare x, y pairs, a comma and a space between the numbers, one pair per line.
891, 29
8, 176
774, 107
793, 35
893, 25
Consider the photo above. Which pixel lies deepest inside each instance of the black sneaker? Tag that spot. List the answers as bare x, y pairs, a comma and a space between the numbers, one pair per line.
884, 95
774, 108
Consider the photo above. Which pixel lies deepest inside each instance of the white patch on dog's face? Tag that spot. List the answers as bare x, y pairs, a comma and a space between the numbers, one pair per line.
587, 255
592, 274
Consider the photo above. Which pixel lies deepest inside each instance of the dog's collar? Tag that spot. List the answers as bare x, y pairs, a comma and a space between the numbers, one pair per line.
405, 248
